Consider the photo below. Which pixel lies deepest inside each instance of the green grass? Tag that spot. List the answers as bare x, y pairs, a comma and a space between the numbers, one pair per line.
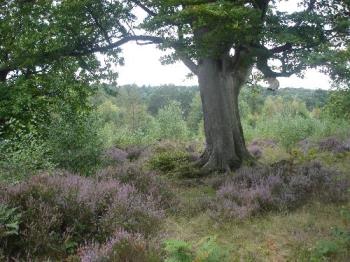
271, 237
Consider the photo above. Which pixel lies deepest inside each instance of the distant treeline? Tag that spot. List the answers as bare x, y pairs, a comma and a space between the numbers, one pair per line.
156, 97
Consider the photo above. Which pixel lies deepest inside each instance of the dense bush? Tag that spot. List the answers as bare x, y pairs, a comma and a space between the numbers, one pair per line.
195, 115
22, 156
171, 122
168, 161
289, 121
62, 211
338, 104
74, 142
144, 182
283, 186
286, 130
122, 136
177, 163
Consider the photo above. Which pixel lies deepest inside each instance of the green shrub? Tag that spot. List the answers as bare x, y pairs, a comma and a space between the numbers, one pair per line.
74, 142
195, 116
326, 127
289, 122
178, 251
171, 122
206, 251
168, 161
122, 136
286, 130
22, 156
9, 221
338, 104
324, 248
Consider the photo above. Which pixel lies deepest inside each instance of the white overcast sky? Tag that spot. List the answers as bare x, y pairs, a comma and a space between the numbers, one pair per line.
142, 67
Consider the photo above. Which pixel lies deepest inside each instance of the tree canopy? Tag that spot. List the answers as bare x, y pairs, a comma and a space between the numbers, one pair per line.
36, 35
48, 48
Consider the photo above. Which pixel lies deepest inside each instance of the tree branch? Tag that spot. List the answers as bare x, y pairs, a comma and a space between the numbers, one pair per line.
143, 7
97, 23
124, 40
280, 49
189, 63
74, 52
269, 73
79, 51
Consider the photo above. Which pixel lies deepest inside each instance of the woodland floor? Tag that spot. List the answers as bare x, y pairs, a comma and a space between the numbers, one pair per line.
275, 236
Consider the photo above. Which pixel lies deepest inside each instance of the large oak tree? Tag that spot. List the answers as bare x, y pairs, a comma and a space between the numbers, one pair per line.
221, 41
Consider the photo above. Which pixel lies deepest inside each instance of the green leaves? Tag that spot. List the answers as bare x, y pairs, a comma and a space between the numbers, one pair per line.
179, 251
207, 251
9, 221
46, 54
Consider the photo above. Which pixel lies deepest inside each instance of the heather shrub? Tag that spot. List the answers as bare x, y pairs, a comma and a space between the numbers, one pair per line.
263, 143
134, 152
283, 186
122, 246
334, 145
144, 182
62, 211
115, 155
255, 151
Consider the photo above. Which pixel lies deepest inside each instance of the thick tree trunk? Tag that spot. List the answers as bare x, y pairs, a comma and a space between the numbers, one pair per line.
3, 75
219, 87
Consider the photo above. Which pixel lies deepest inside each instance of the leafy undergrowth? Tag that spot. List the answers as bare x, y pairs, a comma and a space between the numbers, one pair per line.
149, 205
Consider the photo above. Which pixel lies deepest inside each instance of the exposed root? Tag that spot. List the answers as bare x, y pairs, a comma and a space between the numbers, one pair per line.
210, 162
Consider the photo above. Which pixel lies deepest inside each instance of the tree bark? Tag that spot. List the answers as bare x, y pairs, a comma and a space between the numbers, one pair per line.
220, 84
3, 75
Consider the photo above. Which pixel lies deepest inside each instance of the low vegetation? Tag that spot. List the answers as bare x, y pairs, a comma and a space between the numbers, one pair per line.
109, 186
